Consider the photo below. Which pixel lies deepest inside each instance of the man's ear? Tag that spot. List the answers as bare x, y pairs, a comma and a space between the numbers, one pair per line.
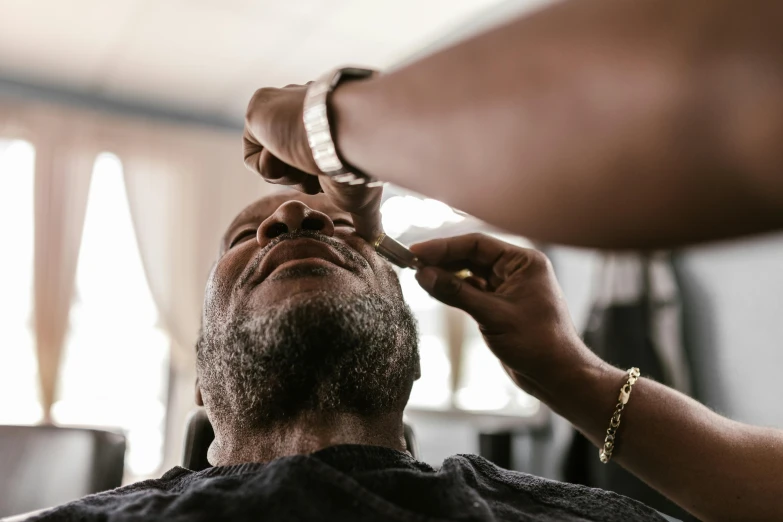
418, 369
199, 399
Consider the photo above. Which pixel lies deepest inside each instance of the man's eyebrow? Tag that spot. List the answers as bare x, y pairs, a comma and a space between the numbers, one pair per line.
232, 230
249, 220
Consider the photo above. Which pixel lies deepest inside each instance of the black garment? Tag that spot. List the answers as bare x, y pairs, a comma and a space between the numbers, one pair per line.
349, 482
622, 331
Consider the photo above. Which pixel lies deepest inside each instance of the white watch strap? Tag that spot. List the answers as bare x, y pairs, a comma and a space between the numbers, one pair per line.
319, 132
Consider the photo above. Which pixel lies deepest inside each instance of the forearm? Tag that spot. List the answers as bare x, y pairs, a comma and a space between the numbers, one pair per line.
589, 120
716, 468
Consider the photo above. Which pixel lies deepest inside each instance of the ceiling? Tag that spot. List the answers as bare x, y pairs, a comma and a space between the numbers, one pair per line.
208, 56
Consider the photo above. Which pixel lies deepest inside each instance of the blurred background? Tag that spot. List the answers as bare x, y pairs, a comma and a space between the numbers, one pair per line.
120, 166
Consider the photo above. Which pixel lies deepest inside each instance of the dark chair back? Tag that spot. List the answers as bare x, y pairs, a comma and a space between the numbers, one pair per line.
44, 466
199, 435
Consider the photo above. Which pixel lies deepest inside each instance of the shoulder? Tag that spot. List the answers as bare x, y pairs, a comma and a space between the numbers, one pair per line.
171, 481
512, 487
479, 470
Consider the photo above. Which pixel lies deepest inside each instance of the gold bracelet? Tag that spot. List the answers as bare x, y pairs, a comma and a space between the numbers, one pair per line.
625, 393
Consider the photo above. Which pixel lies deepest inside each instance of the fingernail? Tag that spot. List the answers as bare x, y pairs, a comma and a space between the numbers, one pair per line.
427, 277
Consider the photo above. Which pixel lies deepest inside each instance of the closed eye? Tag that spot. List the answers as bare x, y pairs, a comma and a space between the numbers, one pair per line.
342, 223
242, 237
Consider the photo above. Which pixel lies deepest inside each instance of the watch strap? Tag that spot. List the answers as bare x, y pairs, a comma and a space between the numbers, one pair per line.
320, 132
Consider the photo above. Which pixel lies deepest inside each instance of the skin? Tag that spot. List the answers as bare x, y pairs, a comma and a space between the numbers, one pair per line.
516, 300
725, 470
598, 123
259, 223
237, 283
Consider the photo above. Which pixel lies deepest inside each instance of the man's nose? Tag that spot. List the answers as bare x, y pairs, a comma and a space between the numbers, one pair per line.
291, 216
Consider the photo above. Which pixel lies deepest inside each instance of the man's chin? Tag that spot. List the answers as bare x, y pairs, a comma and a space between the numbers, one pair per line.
329, 349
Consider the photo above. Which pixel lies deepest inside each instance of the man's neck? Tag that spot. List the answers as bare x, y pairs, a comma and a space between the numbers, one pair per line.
307, 433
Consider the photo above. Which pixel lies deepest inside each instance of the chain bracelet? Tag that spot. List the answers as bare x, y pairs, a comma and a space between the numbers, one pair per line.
605, 454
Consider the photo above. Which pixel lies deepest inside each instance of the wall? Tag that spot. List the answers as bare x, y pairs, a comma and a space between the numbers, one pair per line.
732, 320
733, 296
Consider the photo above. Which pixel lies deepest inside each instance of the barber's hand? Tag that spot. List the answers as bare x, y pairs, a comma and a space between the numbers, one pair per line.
517, 302
275, 146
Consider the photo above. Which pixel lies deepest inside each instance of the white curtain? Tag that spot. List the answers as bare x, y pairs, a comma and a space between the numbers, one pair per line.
63, 164
184, 186
62, 177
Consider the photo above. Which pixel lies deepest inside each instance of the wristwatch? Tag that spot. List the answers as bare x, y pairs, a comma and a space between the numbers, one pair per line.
316, 117
319, 137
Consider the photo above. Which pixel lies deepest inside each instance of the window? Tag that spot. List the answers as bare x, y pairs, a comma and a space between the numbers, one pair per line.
115, 359
19, 391
432, 390
483, 384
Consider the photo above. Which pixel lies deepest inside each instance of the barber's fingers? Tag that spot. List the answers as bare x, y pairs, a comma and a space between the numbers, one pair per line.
476, 249
278, 172
273, 122
459, 293
485, 256
251, 151
275, 171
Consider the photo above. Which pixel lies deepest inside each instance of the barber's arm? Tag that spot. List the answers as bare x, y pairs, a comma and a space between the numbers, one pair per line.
562, 125
713, 467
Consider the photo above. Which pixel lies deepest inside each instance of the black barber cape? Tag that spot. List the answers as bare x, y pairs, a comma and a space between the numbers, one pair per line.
352, 482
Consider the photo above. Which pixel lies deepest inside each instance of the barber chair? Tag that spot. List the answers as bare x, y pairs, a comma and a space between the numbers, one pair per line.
44, 466
199, 435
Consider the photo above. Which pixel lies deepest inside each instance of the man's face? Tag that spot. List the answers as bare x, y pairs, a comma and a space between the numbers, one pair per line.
261, 264
301, 314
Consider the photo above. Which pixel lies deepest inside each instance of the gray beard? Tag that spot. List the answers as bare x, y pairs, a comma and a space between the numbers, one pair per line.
329, 353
